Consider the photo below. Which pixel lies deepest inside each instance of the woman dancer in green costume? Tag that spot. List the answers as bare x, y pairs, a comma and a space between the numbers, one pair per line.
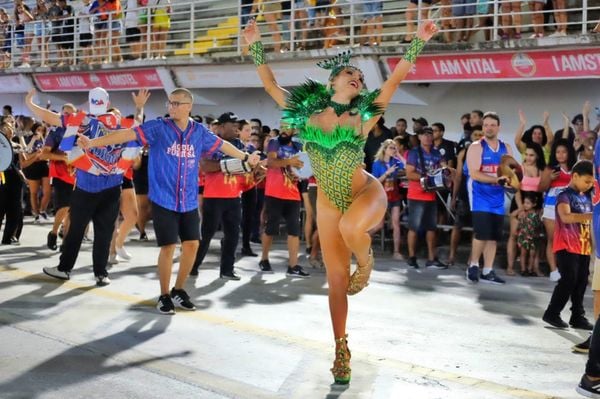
333, 122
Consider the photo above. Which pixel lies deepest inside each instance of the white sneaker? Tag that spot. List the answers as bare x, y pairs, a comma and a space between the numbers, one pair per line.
123, 254
554, 276
112, 259
54, 272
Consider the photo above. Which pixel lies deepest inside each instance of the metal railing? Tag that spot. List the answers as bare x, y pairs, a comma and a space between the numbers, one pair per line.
204, 28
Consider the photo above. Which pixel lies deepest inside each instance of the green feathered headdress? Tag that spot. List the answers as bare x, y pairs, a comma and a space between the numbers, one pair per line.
312, 97
337, 63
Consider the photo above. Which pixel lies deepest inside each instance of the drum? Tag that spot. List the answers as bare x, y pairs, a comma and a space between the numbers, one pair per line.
6, 153
234, 166
305, 171
438, 180
511, 170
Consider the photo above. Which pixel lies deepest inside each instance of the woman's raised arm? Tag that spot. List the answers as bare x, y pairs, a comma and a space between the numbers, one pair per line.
252, 36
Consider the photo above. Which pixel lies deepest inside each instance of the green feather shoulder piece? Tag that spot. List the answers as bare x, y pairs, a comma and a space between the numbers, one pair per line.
305, 100
313, 97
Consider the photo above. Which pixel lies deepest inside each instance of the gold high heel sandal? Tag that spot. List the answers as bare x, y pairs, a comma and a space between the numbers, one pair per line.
360, 277
341, 365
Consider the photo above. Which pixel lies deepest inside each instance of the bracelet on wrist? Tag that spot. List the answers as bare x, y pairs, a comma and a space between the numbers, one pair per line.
257, 51
246, 156
414, 49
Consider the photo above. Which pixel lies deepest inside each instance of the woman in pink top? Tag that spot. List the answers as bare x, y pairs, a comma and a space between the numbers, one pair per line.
533, 166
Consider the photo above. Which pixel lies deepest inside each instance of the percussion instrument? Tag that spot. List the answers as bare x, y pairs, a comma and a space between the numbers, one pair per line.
438, 180
511, 170
6, 153
235, 166
306, 170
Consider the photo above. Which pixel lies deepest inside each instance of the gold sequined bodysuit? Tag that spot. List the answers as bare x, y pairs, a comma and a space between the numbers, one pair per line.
334, 157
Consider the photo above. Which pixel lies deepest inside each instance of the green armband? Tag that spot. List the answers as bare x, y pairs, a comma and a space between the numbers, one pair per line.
257, 51
414, 49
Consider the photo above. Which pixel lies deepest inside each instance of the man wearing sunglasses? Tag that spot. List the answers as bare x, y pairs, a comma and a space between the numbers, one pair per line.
176, 145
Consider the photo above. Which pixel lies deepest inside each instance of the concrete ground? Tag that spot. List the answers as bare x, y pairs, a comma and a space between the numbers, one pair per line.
413, 334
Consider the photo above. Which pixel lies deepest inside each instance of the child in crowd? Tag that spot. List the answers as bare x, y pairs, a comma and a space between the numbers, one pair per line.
572, 247
528, 236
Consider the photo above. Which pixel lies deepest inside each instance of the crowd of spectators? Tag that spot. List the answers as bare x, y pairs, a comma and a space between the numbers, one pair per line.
66, 32
63, 32
399, 159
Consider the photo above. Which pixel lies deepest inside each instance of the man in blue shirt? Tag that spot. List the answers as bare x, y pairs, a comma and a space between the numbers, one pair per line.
176, 146
486, 194
95, 197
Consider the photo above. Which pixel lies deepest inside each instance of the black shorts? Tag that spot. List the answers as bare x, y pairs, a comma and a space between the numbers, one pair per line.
85, 40
487, 226
462, 214
140, 189
303, 186
37, 170
127, 183
133, 35
62, 193
422, 215
170, 225
276, 209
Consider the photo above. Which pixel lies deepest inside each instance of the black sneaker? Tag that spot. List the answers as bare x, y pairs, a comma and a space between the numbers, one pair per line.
44, 215
102, 281
51, 241
436, 264
588, 388
296, 271
473, 273
554, 321
181, 299
165, 304
194, 271
412, 262
248, 252
491, 278
265, 266
143, 237
583, 347
230, 276
581, 323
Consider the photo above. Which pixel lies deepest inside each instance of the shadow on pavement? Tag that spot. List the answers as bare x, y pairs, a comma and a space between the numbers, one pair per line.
89, 360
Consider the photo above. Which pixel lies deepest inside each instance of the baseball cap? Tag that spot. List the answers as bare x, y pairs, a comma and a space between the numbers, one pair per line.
227, 117
98, 101
426, 130
420, 120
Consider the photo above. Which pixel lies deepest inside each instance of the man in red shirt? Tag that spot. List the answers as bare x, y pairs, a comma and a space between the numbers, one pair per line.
422, 208
61, 176
221, 203
282, 200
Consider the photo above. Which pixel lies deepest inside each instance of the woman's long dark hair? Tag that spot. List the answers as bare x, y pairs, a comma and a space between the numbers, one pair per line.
571, 158
527, 136
540, 162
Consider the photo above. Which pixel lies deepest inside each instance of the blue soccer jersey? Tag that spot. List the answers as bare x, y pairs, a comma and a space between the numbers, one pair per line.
487, 197
173, 161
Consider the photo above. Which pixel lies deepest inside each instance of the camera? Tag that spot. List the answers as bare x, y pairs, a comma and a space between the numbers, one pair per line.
556, 168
